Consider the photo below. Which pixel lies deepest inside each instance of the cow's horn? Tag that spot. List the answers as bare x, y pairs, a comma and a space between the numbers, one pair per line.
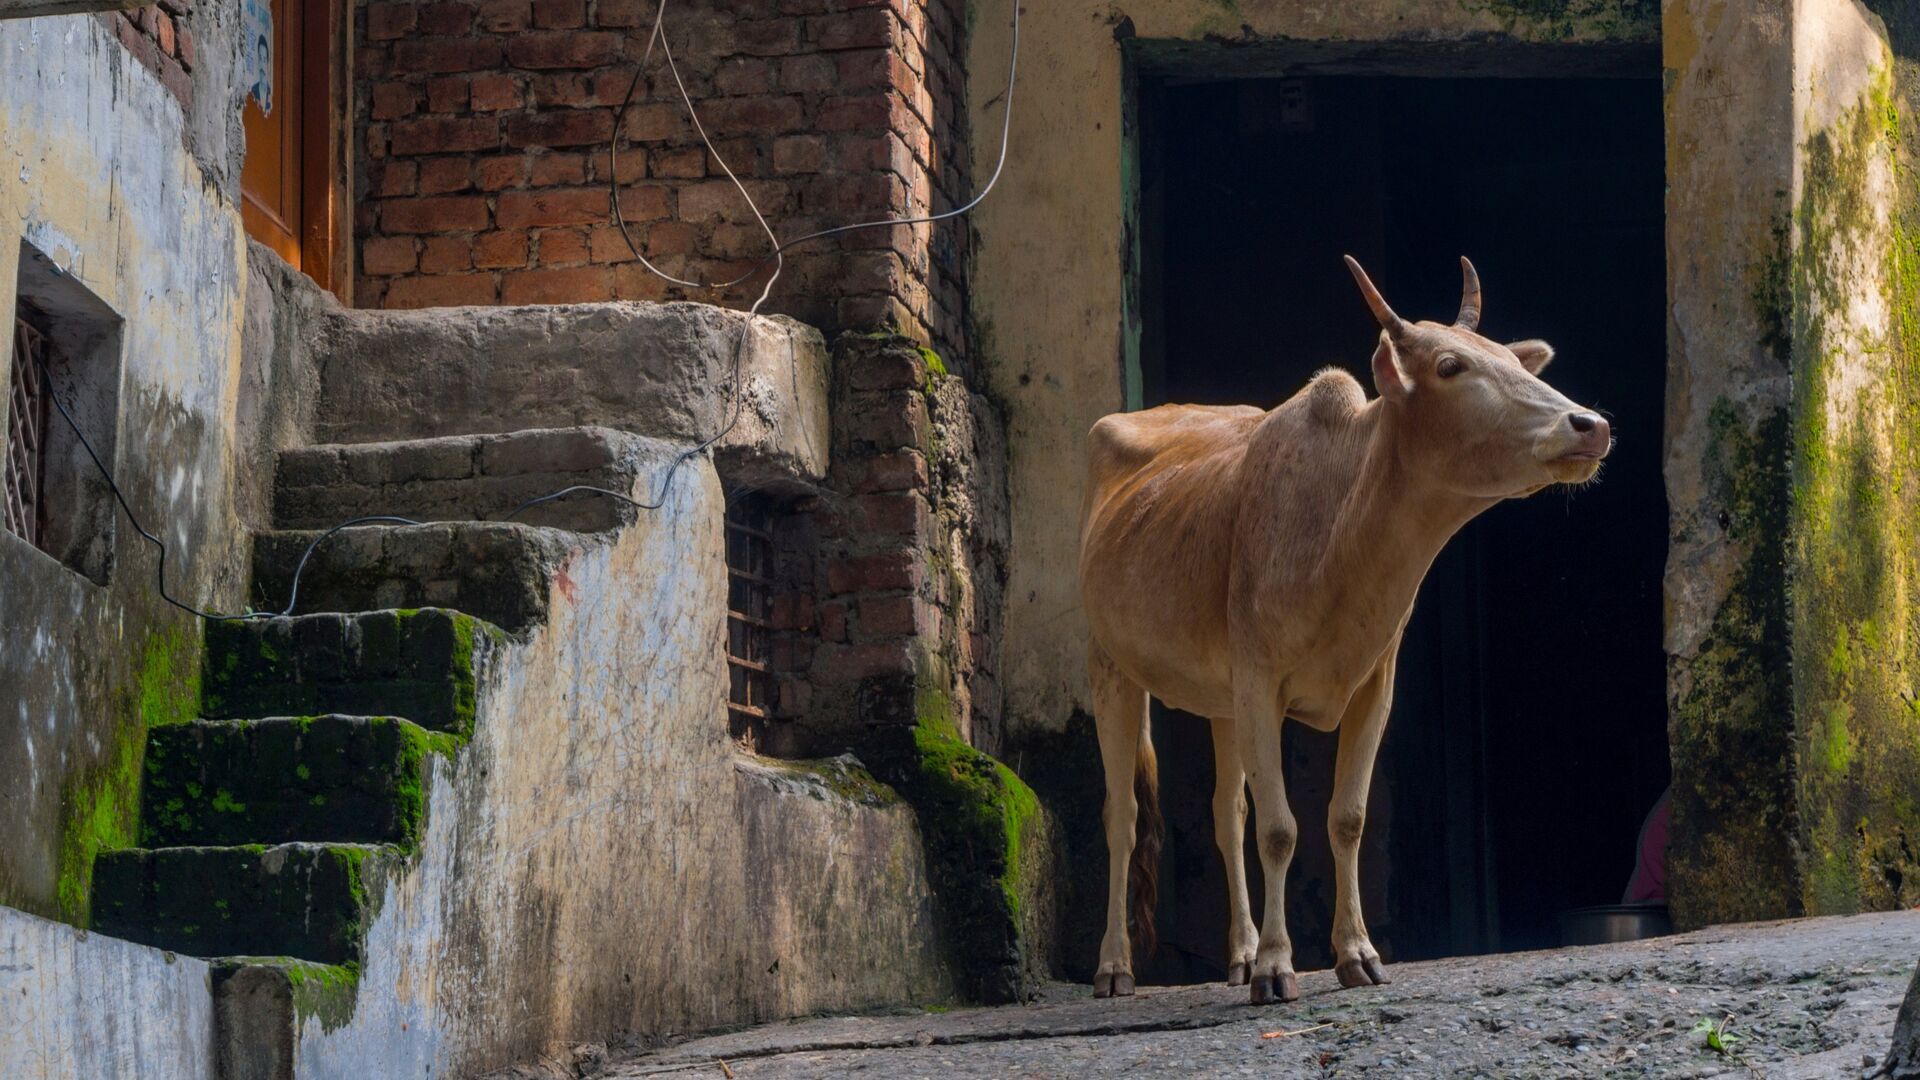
1389, 322
1469, 317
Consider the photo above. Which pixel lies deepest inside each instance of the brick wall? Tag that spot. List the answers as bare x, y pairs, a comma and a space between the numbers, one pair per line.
484, 165
160, 37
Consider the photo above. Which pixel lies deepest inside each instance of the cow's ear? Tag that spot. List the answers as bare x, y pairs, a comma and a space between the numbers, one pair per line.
1388, 380
1533, 354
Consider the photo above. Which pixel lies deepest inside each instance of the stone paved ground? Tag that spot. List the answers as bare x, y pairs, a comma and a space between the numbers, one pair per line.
1811, 998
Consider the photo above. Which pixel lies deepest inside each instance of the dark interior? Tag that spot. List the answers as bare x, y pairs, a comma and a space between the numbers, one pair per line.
1528, 739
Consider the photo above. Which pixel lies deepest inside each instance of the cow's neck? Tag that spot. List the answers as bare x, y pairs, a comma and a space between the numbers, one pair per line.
1393, 523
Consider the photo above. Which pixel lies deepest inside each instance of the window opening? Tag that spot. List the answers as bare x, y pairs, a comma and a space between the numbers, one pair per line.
749, 532
26, 472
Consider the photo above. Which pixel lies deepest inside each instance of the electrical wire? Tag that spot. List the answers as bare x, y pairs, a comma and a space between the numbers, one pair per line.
776, 258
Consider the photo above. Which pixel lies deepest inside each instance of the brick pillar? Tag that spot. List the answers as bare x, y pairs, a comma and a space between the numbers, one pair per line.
484, 168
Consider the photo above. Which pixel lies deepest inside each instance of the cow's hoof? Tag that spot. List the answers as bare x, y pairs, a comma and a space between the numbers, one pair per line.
1237, 973
1362, 971
1267, 989
1112, 984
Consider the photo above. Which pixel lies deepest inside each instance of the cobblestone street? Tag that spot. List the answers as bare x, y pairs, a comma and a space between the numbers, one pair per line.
1812, 998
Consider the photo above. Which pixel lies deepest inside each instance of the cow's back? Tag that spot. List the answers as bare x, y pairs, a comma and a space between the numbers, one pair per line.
1156, 543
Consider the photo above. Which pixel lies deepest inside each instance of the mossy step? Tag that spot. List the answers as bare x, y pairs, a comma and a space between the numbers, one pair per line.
349, 779
261, 1003
303, 900
421, 664
498, 571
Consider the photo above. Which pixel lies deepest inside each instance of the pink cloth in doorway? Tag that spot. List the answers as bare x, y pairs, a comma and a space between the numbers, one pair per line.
1649, 881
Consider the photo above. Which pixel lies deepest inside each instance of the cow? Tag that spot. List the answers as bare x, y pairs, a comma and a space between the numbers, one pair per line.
1253, 566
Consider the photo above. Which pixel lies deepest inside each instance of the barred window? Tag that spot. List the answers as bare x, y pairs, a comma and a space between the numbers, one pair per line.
749, 629
25, 478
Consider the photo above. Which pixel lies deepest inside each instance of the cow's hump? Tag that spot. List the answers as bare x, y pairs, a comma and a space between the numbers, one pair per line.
1333, 396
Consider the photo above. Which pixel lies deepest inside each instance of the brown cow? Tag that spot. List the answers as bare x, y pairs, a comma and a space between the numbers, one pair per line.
1253, 566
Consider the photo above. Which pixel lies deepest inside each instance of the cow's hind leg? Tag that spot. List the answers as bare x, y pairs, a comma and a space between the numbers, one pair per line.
1258, 720
1229, 833
1119, 713
1365, 721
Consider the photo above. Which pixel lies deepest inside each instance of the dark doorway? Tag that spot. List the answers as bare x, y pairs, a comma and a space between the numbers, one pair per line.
1528, 738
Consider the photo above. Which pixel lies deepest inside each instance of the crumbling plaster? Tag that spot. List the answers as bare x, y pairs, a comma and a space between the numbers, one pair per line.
101, 171
1058, 329
600, 859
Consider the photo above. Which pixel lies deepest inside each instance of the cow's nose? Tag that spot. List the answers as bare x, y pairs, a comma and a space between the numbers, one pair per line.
1584, 422
1595, 434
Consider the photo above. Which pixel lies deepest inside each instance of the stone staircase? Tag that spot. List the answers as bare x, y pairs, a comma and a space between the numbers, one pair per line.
270, 824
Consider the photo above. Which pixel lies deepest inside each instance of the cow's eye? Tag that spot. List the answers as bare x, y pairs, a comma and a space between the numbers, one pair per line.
1449, 366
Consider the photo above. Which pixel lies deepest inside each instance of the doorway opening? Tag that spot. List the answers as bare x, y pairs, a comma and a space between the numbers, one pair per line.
1529, 733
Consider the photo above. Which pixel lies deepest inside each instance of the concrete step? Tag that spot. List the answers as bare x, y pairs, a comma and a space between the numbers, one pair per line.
423, 665
303, 900
496, 571
262, 1002
349, 779
464, 478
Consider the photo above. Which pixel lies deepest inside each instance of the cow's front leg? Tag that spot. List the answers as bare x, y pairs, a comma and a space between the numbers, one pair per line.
1259, 719
1119, 714
1365, 721
1229, 834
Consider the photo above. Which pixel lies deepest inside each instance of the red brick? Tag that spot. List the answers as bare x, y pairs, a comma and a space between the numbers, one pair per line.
559, 170
388, 21
562, 247
894, 514
874, 573
632, 163
799, 154
445, 134
854, 113
807, 74
500, 249
392, 100
496, 173
743, 76
683, 163
438, 56
765, 37
853, 663
441, 175
871, 28
888, 369
647, 123
493, 93
388, 255
719, 197
623, 12
446, 213
903, 470
764, 115
650, 202
395, 178
570, 127
631, 281
833, 622
671, 238
445, 254
163, 32
578, 206
896, 616
559, 14
447, 19
571, 90
871, 69
791, 611
440, 290
579, 49
447, 95
574, 285
503, 16
183, 45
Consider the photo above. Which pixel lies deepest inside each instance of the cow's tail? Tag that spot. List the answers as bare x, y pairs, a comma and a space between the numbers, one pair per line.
1143, 871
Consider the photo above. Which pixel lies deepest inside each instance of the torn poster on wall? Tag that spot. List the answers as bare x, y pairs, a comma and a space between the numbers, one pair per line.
256, 52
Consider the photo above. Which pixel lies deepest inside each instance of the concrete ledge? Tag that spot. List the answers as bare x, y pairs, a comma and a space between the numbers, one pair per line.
30, 9
652, 369
80, 1004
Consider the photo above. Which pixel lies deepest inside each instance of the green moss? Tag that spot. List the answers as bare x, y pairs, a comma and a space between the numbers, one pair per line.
1856, 499
325, 992
409, 793
100, 803
936, 367
843, 776
1559, 20
975, 818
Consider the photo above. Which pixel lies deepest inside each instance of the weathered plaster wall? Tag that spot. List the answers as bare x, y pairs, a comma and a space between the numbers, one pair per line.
1057, 334
1855, 566
82, 1005
600, 859
1729, 168
101, 170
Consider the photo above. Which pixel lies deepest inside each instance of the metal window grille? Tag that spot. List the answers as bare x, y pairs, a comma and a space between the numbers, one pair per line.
749, 631
26, 432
